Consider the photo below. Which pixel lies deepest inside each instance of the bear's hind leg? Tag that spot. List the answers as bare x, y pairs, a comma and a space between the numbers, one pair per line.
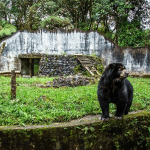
129, 103
105, 111
127, 109
120, 111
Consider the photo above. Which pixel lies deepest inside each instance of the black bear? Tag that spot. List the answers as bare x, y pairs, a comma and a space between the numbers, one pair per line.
114, 88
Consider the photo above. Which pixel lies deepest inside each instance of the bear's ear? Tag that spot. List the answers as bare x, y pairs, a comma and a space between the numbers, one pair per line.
111, 66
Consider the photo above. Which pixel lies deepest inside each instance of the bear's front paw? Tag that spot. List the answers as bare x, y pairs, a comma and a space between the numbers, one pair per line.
104, 119
118, 117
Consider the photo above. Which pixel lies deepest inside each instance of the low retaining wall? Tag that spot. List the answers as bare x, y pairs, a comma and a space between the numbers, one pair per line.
144, 75
63, 65
133, 132
57, 65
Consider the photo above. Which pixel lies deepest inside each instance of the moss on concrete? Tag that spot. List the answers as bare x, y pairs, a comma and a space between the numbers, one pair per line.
133, 132
97, 63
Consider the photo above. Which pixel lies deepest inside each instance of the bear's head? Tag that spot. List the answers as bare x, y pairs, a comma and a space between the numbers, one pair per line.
117, 70
114, 72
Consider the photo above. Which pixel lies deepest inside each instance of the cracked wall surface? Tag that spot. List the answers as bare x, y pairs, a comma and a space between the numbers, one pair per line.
72, 42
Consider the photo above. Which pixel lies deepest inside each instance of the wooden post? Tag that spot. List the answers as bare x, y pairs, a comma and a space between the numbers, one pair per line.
13, 84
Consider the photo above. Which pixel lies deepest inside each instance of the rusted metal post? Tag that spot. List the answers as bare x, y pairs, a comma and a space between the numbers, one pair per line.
30, 67
13, 84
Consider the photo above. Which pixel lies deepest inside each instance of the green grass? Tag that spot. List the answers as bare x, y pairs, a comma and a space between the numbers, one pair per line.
34, 105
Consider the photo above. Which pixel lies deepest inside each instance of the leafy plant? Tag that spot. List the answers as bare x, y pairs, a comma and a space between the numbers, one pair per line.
94, 54
131, 35
63, 53
53, 22
6, 28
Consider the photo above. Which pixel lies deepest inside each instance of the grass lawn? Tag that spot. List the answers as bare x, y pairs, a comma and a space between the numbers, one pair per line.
34, 105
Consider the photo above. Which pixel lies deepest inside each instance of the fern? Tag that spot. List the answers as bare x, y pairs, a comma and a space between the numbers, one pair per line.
1, 33
6, 29
53, 22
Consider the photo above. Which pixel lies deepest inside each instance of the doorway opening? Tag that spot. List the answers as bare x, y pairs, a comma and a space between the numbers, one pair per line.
30, 66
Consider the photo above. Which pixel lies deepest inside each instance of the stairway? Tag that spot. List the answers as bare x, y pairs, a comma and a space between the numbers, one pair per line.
86, 63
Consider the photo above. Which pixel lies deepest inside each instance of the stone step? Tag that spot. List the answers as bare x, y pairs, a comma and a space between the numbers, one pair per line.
93, 70
84, 59
87, 63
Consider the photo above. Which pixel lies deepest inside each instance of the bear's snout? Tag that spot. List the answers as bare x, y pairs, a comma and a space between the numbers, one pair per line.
124, 73
127, 74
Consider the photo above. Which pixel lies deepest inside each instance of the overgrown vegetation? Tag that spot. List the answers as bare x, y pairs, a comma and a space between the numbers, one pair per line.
120, 20
6, 29
54, 22
97, 63
34, 105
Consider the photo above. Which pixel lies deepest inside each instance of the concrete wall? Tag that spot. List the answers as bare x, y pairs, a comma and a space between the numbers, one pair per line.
136, 60
130, 133
72, 42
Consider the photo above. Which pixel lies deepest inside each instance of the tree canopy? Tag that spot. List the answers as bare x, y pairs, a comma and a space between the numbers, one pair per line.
120, 20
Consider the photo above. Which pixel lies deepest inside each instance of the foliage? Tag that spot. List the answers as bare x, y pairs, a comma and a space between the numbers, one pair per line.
6, 29
106, 10
41, 10
34, 105
113, 18
36, 66
33, 19
131, 35
146, 37
4, 9
78, 11
120, 12
54, 22
93, 54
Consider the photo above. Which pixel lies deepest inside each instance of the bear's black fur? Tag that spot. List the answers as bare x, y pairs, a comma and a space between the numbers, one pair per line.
114, 88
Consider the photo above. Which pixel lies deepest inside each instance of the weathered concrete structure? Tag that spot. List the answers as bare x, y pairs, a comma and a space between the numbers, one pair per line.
54, 65
136, 60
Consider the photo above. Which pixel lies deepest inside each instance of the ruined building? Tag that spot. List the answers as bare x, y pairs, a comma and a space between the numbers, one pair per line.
31, 52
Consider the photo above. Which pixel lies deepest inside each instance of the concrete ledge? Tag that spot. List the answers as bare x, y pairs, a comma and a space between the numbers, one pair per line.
141, 75
8, 73
132, 132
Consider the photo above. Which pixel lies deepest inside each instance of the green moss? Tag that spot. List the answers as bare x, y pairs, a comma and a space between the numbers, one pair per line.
97, 63
63, 53
78, 68
128, 133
